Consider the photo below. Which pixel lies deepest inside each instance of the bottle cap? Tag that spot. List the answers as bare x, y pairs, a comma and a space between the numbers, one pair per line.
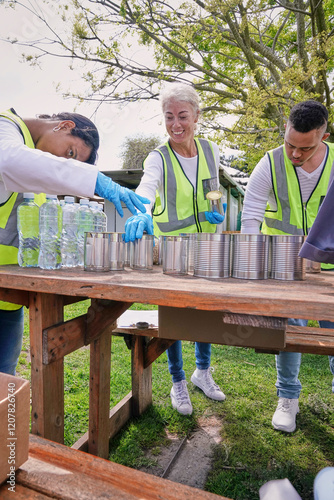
84, 201
30, 196
69, 199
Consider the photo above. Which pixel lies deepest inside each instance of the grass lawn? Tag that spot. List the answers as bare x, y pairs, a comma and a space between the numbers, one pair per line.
251, 452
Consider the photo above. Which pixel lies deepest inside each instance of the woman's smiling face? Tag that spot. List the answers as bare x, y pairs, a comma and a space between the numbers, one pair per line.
180, 121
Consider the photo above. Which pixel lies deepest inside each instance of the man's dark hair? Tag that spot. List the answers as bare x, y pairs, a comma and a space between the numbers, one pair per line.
308, 115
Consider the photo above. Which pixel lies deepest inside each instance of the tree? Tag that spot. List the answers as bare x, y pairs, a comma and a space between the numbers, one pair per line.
248, 59
135, 149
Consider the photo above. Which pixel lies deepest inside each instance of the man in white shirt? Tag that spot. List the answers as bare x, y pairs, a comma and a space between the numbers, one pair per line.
283, 196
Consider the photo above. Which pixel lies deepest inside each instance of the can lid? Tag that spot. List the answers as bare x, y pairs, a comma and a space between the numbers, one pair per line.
214, 195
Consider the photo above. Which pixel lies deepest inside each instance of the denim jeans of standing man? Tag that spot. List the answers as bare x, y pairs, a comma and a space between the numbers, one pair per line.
288, 363
11, 336
175, 361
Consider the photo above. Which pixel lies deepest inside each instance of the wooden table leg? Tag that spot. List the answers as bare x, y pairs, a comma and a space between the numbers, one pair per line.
99, 396
141, 377
47, 381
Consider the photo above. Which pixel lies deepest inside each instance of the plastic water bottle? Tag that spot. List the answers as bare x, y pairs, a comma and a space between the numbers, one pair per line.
28, 229
85, 224
104, 219
69, 238
94, 206
50, 229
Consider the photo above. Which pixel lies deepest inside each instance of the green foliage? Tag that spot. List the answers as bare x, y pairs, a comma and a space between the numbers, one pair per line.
135, 149
249, 60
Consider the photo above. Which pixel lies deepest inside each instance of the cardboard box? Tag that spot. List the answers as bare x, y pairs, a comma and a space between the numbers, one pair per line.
14, 429
211, 326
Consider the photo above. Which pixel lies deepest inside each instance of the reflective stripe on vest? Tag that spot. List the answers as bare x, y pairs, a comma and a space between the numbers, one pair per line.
185, 207
292, 216
9, 238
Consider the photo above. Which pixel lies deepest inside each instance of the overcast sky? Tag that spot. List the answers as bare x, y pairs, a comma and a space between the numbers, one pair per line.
31, 91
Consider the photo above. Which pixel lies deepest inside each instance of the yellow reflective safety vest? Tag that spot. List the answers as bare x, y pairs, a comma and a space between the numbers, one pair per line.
184, 206
292, 216
9, 238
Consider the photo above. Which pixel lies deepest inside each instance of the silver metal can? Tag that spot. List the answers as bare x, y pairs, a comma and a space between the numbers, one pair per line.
212, 255
175, 252
250, 256
96, 252
141, 253
285, 262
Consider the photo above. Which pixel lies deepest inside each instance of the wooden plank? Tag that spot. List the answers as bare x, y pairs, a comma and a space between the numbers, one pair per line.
14, 296
132, 330
101, 314
141, 377
47, 381
310, 299
118, 416
133, 483
64, 338
21, 493
310, 340
255, 321
56, 481
73, 300
154, 349
99, 396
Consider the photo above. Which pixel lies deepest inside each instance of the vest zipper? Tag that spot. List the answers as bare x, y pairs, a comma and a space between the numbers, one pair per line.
305, 227
198, 225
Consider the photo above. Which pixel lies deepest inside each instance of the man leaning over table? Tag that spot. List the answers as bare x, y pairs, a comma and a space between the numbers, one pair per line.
45, 154
283, 196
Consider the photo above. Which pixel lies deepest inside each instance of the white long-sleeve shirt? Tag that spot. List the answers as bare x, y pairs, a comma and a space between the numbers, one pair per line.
152, 179
23, 169
260, 191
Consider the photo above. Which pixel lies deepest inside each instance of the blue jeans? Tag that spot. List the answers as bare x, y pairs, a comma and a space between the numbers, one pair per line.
175, 361
11, 337
288, 363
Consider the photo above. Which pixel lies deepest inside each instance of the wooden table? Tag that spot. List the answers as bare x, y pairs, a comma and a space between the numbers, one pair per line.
56, 471
250, 313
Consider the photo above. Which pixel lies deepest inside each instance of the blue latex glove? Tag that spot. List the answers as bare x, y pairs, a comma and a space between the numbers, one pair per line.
136, 225
106, 188
216, 217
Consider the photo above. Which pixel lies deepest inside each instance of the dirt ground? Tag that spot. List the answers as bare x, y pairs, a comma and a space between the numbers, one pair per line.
188, 461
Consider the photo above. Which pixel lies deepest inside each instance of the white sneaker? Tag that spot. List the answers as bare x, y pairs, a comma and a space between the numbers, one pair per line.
180, 398
284, 418
203, 379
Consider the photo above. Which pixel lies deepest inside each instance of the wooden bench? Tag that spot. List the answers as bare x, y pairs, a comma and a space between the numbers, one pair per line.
56, 471
310, 340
